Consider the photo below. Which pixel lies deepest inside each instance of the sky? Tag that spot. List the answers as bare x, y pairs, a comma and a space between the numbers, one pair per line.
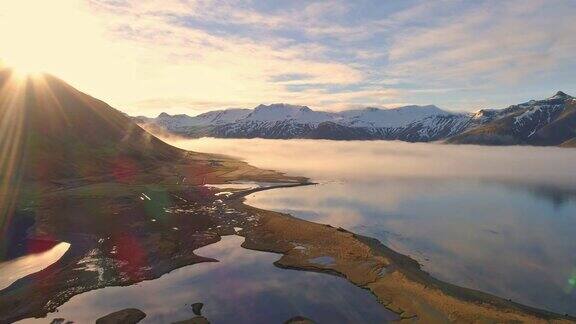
191, 56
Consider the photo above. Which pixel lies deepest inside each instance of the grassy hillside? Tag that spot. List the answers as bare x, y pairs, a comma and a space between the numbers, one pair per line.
51, 131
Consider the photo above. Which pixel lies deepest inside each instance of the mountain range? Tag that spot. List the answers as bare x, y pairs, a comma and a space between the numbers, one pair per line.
550, 121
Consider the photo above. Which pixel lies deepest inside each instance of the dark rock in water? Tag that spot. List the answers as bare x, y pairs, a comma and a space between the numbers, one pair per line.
125, 316
59, 321
197, 308
299, 320
194, 320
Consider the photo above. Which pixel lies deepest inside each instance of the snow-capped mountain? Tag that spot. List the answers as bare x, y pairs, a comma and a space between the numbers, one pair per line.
550, 121
532, 122
180, 123
389, 118
296, 114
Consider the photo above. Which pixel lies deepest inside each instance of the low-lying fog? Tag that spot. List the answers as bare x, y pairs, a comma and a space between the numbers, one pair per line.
373, 160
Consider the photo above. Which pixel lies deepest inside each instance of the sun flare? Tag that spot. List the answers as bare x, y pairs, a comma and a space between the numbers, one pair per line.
58, 42
25, 46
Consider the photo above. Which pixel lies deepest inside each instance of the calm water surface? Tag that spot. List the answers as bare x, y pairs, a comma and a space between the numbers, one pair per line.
498, 219
12, 270
243, 287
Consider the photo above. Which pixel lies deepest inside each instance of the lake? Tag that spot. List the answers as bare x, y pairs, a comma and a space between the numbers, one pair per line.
498, 219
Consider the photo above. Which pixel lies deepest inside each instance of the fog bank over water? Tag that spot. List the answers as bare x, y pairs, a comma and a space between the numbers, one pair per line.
373, 160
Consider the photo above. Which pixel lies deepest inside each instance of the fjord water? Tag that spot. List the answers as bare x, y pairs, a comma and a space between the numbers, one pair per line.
498, 219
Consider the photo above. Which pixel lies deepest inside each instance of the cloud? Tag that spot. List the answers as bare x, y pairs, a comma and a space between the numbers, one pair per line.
203, 66
180, 55
492, 42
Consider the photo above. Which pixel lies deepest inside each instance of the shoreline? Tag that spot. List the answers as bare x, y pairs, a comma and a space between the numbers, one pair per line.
405, 288
396, 280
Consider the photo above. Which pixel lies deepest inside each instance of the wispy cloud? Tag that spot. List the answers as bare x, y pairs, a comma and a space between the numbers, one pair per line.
491, 43
233, 67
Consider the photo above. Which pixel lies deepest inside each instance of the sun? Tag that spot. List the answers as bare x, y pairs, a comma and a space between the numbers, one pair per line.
42, 36
26, 36
22, 69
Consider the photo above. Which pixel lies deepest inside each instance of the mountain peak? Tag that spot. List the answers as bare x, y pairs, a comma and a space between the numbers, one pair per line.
64, 133
280, 106
164, 115
560, 95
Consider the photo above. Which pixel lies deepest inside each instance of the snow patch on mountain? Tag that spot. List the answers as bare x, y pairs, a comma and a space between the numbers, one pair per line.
180, 123
282, 112
540, 112
221, 117
385, 118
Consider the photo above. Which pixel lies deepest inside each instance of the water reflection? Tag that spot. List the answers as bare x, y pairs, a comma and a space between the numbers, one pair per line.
244, 287
501, 220
244, 185
472, 234
12, 270
557, 196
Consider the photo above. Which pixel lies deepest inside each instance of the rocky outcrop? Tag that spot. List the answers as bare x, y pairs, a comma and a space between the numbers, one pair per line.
125, 316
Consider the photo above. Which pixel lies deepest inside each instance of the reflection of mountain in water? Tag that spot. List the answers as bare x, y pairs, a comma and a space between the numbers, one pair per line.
556, 195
